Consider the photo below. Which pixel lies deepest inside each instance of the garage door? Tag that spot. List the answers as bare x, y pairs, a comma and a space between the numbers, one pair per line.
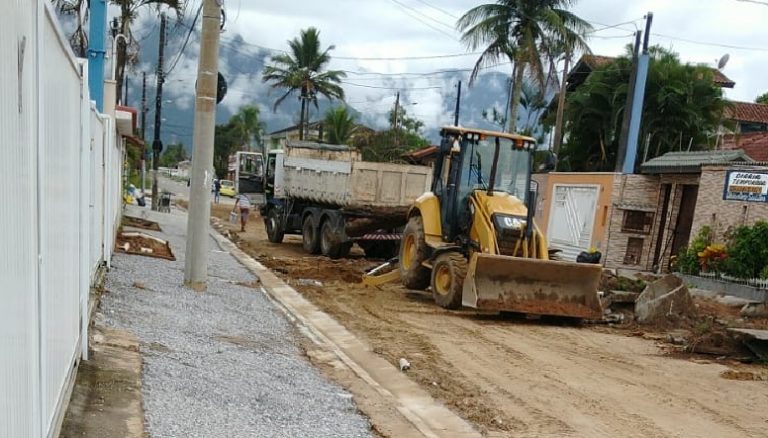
572, 219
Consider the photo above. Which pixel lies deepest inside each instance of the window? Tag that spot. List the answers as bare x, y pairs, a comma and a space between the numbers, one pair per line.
634, 251
636, 221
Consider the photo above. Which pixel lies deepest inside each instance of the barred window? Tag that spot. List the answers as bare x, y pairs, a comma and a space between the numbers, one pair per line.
636, 221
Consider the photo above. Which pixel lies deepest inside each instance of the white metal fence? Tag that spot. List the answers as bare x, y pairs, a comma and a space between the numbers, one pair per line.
60, 176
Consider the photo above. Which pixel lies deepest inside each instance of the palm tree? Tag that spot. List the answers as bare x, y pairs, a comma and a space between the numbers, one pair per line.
79, 9
340, 125
524, 32
302, 69
247, 125
129, 11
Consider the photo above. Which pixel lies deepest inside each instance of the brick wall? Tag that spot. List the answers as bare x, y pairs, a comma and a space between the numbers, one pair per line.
713, 210
645, 193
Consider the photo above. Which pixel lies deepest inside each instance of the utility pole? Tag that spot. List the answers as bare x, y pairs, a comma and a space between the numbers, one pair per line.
125, 94
643, 61
198, 219
458, 103
143, 131
624, 135
394, 117
157, 144
561, 107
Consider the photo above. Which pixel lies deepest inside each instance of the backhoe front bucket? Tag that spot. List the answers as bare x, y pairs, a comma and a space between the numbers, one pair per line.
540, 287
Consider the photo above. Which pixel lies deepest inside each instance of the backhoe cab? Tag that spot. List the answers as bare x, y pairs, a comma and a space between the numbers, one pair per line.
473, 239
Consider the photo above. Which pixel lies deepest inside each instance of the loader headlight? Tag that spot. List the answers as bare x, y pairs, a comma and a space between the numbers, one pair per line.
509, 225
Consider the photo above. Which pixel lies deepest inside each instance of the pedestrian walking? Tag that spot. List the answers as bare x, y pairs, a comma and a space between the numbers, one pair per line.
216, 190
244, 203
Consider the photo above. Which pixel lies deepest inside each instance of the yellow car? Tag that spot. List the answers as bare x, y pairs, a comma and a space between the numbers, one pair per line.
227, 188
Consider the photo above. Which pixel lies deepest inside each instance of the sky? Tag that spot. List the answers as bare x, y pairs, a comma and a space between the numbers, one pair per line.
701, 31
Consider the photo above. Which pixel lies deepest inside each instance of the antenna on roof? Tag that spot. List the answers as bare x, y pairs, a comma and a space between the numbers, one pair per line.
723, 60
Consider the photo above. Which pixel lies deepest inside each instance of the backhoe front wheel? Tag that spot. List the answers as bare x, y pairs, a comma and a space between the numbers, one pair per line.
448, 274
413, 252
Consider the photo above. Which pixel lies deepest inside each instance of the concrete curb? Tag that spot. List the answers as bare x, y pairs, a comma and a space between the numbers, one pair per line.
428, 416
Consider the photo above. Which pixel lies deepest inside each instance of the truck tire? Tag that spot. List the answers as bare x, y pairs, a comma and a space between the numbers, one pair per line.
448, 274
309, 239
274, 225
330, 242
413, 252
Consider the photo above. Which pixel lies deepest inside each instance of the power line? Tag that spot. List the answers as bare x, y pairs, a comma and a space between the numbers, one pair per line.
438, 9
703, 43
186, 40
422, 21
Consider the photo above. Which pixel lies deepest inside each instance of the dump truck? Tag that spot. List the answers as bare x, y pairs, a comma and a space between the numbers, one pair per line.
333, 199
472, 237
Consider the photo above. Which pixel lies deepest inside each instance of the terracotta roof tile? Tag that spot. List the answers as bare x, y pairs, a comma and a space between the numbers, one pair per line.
748, 112
754, 144
596, 61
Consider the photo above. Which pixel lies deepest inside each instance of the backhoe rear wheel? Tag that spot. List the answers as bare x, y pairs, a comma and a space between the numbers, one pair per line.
448, 274
413, 252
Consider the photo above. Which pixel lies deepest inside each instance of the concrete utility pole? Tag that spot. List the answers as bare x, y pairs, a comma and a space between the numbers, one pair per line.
458, 103
196, 263
143, 131
561, 107
624, 134
157, 144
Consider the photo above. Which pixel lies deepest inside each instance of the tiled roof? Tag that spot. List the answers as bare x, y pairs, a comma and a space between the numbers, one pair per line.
691, 162
754, 144
596, 61
747, 112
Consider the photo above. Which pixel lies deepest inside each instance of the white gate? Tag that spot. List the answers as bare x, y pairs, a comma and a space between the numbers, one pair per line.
572, 218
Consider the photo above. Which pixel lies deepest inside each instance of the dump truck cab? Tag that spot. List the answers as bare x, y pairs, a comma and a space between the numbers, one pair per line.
473, 239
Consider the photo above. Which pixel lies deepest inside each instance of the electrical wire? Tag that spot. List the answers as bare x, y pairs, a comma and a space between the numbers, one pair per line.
186, 40
404, 9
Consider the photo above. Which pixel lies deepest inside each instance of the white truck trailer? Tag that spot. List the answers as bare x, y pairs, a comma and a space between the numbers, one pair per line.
333, 199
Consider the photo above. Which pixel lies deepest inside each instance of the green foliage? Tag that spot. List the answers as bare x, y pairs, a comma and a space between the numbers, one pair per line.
688, 260
172, 154
226, 142
302, 70
763, 98
340, 125
247, 126
682, 108
524, 32
386, 146
748, 251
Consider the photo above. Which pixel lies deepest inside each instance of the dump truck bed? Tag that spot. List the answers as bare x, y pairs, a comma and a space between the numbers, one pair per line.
335, 176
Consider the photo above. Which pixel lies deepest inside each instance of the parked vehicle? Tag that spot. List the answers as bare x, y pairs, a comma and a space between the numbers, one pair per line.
326, 194
228, 188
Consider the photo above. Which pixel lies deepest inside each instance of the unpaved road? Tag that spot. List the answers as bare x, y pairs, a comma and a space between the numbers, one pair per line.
519, 378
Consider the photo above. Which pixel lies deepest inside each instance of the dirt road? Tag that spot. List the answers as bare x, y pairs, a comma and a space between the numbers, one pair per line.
519, 378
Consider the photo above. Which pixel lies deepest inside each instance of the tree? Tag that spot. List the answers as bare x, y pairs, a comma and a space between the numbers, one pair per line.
340, 125
129, 11
226, 141
173, 154
682, 108
387, 146
302, 70
247, 125
763, 98
524, 32
77, 8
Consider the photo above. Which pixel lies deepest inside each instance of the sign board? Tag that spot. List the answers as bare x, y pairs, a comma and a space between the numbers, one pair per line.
746, 186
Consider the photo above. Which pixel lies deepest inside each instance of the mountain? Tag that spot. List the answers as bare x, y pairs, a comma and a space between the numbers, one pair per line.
431, 99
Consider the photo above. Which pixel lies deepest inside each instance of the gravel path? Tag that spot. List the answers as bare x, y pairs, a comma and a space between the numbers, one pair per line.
224, 363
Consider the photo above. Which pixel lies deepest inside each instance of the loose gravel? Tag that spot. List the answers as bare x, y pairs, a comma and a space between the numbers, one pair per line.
224, 363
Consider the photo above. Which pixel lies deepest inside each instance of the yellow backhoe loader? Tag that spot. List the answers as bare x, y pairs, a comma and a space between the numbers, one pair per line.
474, 240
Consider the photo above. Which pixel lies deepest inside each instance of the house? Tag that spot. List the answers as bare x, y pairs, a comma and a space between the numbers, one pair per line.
588, 63
748, 116
315, 132
638, 221
754, 144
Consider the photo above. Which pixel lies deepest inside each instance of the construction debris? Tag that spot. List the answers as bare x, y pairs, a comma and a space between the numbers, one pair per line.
755, 340
755, 310
664, 300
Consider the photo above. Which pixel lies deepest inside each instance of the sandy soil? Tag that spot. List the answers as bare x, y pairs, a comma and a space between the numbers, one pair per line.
520, 378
